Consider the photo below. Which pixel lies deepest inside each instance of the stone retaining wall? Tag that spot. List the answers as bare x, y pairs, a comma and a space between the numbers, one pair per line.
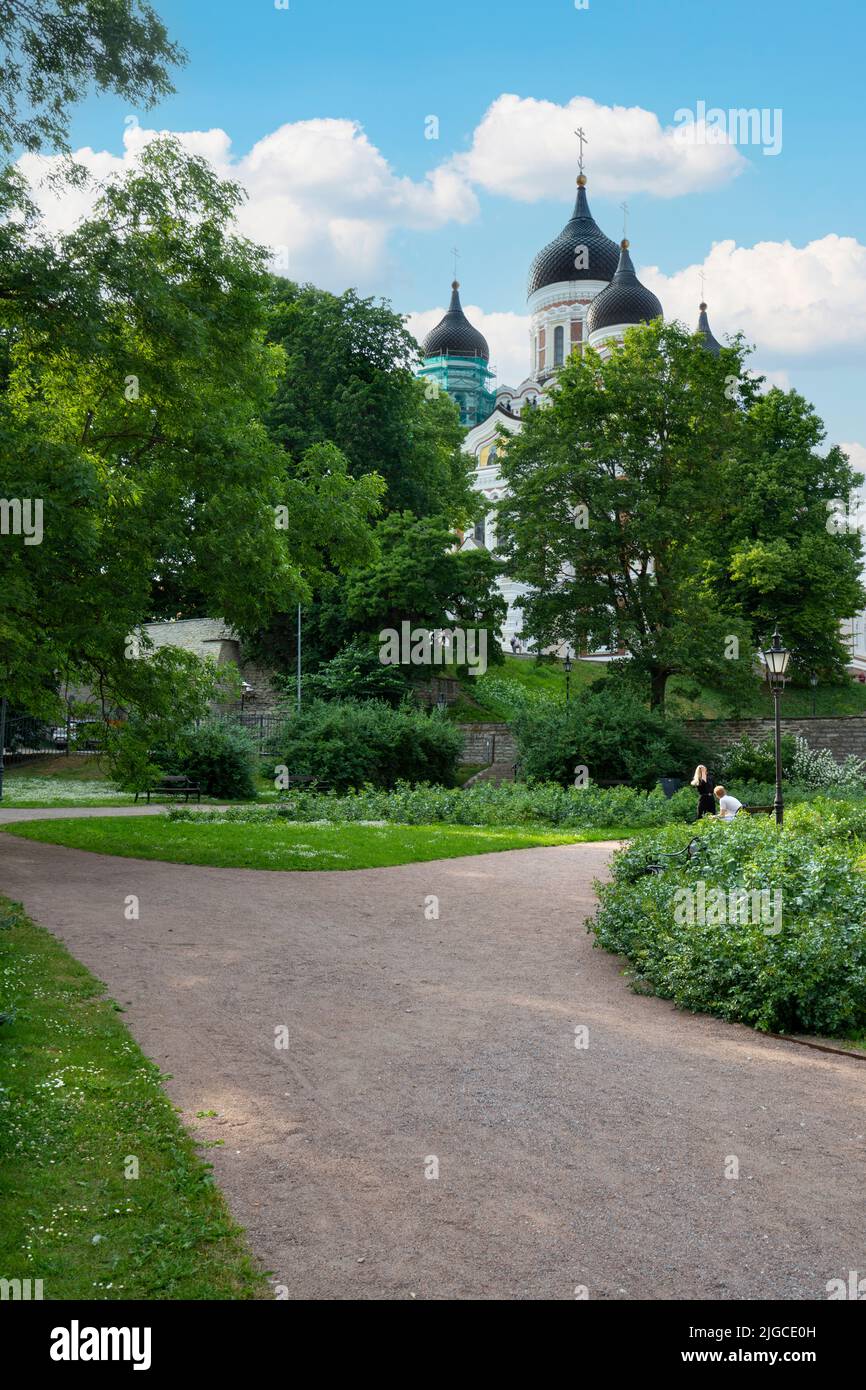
840, 736
487, 743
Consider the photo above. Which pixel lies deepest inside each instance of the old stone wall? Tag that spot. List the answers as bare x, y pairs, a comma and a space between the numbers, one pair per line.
840, 736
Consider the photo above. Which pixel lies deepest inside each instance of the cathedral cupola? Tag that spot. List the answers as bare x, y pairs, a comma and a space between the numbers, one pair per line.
710, 343
455, 360
624, 303
454, 335
580, 252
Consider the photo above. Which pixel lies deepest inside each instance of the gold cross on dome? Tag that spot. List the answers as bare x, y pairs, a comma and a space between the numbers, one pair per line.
624, 207
455, 253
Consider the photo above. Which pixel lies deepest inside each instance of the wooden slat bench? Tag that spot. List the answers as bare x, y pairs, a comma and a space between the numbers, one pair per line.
172, 786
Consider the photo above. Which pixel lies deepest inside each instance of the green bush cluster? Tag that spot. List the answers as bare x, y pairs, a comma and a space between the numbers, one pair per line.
349, 743
509, 803
607, 729
810, 977
217, 754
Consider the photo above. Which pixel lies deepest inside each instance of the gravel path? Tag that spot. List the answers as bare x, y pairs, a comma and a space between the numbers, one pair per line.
412, 1040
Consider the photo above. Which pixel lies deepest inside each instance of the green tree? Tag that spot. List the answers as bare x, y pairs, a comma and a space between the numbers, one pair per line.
348, 379
418, 575
615, 497
781, 558
53, 51
134, 375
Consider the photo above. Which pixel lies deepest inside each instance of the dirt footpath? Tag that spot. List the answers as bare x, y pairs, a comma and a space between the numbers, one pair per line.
419, 1045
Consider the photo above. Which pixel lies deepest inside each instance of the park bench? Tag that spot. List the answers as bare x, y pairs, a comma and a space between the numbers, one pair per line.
695, 847
757, 810
172, 786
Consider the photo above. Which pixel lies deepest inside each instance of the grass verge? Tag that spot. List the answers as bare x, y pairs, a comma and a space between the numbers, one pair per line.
78, 1102
289, 844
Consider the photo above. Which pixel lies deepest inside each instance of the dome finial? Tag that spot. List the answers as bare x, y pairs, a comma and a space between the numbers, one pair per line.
581, 179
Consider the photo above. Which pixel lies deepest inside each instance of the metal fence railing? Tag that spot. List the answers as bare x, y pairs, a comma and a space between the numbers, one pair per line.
25, 735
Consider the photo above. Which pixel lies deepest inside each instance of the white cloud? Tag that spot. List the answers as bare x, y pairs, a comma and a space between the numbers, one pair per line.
525, 148
319, 189
857, 455
507, 337
791, 301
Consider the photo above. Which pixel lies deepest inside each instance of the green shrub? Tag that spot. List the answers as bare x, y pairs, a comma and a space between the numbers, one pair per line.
509, 803
754, 762
349, 743
810, 977
218, 755
610, 731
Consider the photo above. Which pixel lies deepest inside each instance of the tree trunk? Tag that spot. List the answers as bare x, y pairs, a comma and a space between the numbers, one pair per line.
658, 681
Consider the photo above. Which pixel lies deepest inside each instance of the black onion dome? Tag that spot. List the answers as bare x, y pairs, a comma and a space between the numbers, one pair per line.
710, 343
625, 300
454, 335
555, 262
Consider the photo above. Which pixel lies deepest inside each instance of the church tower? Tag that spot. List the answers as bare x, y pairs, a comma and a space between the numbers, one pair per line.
456, 357
564, 279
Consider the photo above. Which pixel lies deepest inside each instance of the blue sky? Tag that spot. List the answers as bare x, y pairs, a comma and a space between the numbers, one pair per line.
388, 66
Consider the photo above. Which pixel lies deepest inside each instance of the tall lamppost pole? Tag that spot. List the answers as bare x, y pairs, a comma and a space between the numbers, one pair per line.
813, 681
776, 659
566, 666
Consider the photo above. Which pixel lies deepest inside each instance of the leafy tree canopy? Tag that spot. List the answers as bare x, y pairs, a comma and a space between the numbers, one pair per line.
134, 374
348, 378
650, 510
53, 51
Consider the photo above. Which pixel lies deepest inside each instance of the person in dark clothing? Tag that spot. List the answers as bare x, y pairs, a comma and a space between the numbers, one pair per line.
704, 787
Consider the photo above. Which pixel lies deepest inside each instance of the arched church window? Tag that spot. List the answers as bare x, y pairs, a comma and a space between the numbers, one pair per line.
480, 532
558, 346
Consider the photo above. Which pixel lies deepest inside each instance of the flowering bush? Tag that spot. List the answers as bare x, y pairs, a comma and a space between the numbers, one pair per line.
817, 768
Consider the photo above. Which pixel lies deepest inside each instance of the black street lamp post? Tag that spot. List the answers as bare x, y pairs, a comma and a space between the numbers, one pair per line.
566, 666
776, 659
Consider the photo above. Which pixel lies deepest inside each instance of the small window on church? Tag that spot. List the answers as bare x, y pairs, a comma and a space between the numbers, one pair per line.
558, 346
480, 532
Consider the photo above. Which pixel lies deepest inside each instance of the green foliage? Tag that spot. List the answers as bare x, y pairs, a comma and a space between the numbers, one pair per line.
649, 510
417, 575
218, 755
809, 977
634, 446
778, 556
347, 743
816, 767
355, 672
134, 374
348, 379
754, 762
607, 729
53, 52
509, 803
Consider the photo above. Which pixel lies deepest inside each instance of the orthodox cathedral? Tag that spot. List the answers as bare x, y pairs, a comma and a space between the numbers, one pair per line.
582, 289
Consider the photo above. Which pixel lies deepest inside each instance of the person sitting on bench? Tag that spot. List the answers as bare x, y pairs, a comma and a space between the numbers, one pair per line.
728, 805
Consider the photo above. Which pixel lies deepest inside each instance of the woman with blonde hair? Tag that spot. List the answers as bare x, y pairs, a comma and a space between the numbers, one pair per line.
706, 801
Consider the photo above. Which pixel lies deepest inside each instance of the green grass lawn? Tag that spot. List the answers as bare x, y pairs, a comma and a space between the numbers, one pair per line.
290, 844
78, 1102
